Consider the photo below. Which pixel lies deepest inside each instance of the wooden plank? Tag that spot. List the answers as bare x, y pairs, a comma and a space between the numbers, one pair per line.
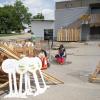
7, 51
63, 34
72, 34
66, 34
76, 34
52, 78
4, 85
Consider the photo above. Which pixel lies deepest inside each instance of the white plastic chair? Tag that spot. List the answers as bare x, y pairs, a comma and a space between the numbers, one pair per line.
9, 66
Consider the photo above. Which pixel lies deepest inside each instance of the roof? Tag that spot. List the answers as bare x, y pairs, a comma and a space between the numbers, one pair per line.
43, 20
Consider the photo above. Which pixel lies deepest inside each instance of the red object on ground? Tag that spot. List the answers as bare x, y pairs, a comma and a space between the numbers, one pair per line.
44, 63
60, 60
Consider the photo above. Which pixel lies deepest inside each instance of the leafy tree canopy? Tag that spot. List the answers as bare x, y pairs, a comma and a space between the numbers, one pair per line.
38, 16
13, 17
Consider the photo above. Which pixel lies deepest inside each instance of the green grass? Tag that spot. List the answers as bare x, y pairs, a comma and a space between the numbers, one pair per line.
3, 35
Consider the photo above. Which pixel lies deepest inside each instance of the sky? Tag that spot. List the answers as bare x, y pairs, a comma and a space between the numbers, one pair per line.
46, 7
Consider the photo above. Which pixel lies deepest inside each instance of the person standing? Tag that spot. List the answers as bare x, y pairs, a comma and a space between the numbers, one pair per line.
33, 37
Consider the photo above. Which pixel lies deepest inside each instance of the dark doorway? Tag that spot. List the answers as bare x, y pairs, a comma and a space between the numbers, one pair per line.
48, 34
95, 32
85, 30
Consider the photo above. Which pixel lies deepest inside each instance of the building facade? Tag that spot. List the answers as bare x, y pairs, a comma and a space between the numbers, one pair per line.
77, 20
43, 29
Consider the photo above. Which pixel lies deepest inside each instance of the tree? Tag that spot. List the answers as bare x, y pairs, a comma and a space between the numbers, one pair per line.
13, 18
39, 16
6, 19
24, 17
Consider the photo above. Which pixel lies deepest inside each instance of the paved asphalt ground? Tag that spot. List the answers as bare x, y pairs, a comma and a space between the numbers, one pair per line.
81, 61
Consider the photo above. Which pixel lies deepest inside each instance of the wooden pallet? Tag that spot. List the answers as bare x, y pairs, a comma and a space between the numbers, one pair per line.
93, 77
3, 76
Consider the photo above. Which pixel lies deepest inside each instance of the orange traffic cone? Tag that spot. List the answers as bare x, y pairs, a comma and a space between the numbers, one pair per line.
44, 63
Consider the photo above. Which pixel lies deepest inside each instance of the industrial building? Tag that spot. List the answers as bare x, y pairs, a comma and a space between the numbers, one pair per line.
77, 20
43, 29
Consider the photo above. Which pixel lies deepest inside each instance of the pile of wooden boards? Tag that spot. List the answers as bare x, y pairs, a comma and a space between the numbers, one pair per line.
94, 76
12, 54
21, 48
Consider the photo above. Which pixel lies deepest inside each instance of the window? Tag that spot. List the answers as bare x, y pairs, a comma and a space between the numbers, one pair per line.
68, 5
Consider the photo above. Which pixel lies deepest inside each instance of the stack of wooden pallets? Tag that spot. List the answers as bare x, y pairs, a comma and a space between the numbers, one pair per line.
4, 77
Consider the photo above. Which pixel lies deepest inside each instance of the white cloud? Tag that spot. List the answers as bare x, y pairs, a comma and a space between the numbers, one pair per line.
10, 2
59, 0
48, 13
1, 5
39, 6
34, 3
62, 0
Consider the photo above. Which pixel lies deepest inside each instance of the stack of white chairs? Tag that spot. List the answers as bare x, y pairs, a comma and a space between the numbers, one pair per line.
29, 69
